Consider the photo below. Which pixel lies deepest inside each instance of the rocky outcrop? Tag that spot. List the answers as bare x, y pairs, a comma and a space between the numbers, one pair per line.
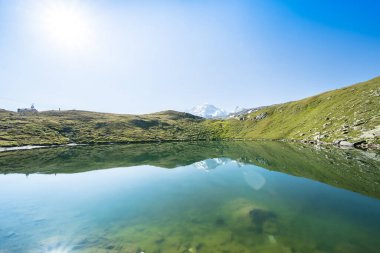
371, 133
346, 144
264, 221
261, 116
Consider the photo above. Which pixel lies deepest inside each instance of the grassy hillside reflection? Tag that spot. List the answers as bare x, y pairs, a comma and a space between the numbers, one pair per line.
350, 169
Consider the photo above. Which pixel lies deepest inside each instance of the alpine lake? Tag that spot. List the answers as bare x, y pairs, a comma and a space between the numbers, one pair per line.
193, 197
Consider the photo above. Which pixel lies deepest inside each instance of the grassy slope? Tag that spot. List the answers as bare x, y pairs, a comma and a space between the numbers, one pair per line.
53, 127
339, 114
357, 107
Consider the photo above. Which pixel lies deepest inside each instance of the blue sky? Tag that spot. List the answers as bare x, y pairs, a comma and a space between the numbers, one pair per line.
147, 56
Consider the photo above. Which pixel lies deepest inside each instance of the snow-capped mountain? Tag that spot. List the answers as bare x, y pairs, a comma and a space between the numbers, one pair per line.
208, 111
239, 109
213, 163
210, 164
239, 112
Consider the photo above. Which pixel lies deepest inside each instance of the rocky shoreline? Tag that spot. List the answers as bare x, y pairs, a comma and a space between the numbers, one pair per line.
28, 147
344, 144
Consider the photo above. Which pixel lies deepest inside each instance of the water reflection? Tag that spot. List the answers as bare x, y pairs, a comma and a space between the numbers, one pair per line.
210, 164
350, 169
221, 197
254, 179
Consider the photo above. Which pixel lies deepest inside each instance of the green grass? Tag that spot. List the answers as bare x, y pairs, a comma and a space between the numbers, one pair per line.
62, 127
343, 114
357, 107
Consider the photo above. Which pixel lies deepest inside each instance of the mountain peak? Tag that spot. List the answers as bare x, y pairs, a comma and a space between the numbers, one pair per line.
208, 111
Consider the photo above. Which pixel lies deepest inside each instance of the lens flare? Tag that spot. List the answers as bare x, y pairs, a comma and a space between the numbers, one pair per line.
65, 24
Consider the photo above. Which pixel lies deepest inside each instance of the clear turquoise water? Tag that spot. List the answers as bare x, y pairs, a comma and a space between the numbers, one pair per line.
214, 205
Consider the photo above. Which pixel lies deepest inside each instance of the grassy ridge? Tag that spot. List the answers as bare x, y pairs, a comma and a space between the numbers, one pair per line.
62, 127
351, 114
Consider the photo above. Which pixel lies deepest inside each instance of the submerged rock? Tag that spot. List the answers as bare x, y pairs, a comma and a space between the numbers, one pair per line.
220, 221
270, 227
109, 247
263, 220
160, 240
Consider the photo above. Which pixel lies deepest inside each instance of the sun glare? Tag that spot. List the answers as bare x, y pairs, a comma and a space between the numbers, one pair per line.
66, 24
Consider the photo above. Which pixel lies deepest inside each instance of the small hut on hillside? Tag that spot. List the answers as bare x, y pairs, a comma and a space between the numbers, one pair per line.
25, 111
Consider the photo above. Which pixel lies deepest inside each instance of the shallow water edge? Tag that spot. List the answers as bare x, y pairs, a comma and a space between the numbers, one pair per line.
369, 147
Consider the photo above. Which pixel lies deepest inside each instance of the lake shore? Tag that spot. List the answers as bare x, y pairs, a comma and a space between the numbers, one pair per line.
343, 145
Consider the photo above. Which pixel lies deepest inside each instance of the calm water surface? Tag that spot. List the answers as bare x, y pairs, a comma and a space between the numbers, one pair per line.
214, 198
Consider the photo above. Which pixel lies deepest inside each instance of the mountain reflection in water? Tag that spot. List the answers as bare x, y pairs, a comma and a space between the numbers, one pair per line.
354, 170
263, 197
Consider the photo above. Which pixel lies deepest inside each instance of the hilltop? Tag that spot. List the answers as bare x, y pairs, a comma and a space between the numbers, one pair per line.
347, 116
63, 127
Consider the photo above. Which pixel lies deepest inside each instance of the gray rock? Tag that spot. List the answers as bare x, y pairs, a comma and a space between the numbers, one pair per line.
346, 144
371, 133
319, 137
358, 122
361, 144
261, 116
336, 142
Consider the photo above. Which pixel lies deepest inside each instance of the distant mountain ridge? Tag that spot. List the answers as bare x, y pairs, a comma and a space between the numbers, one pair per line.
349, 116
208, 111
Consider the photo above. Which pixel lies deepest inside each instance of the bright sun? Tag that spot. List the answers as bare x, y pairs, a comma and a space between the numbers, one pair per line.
66, 24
